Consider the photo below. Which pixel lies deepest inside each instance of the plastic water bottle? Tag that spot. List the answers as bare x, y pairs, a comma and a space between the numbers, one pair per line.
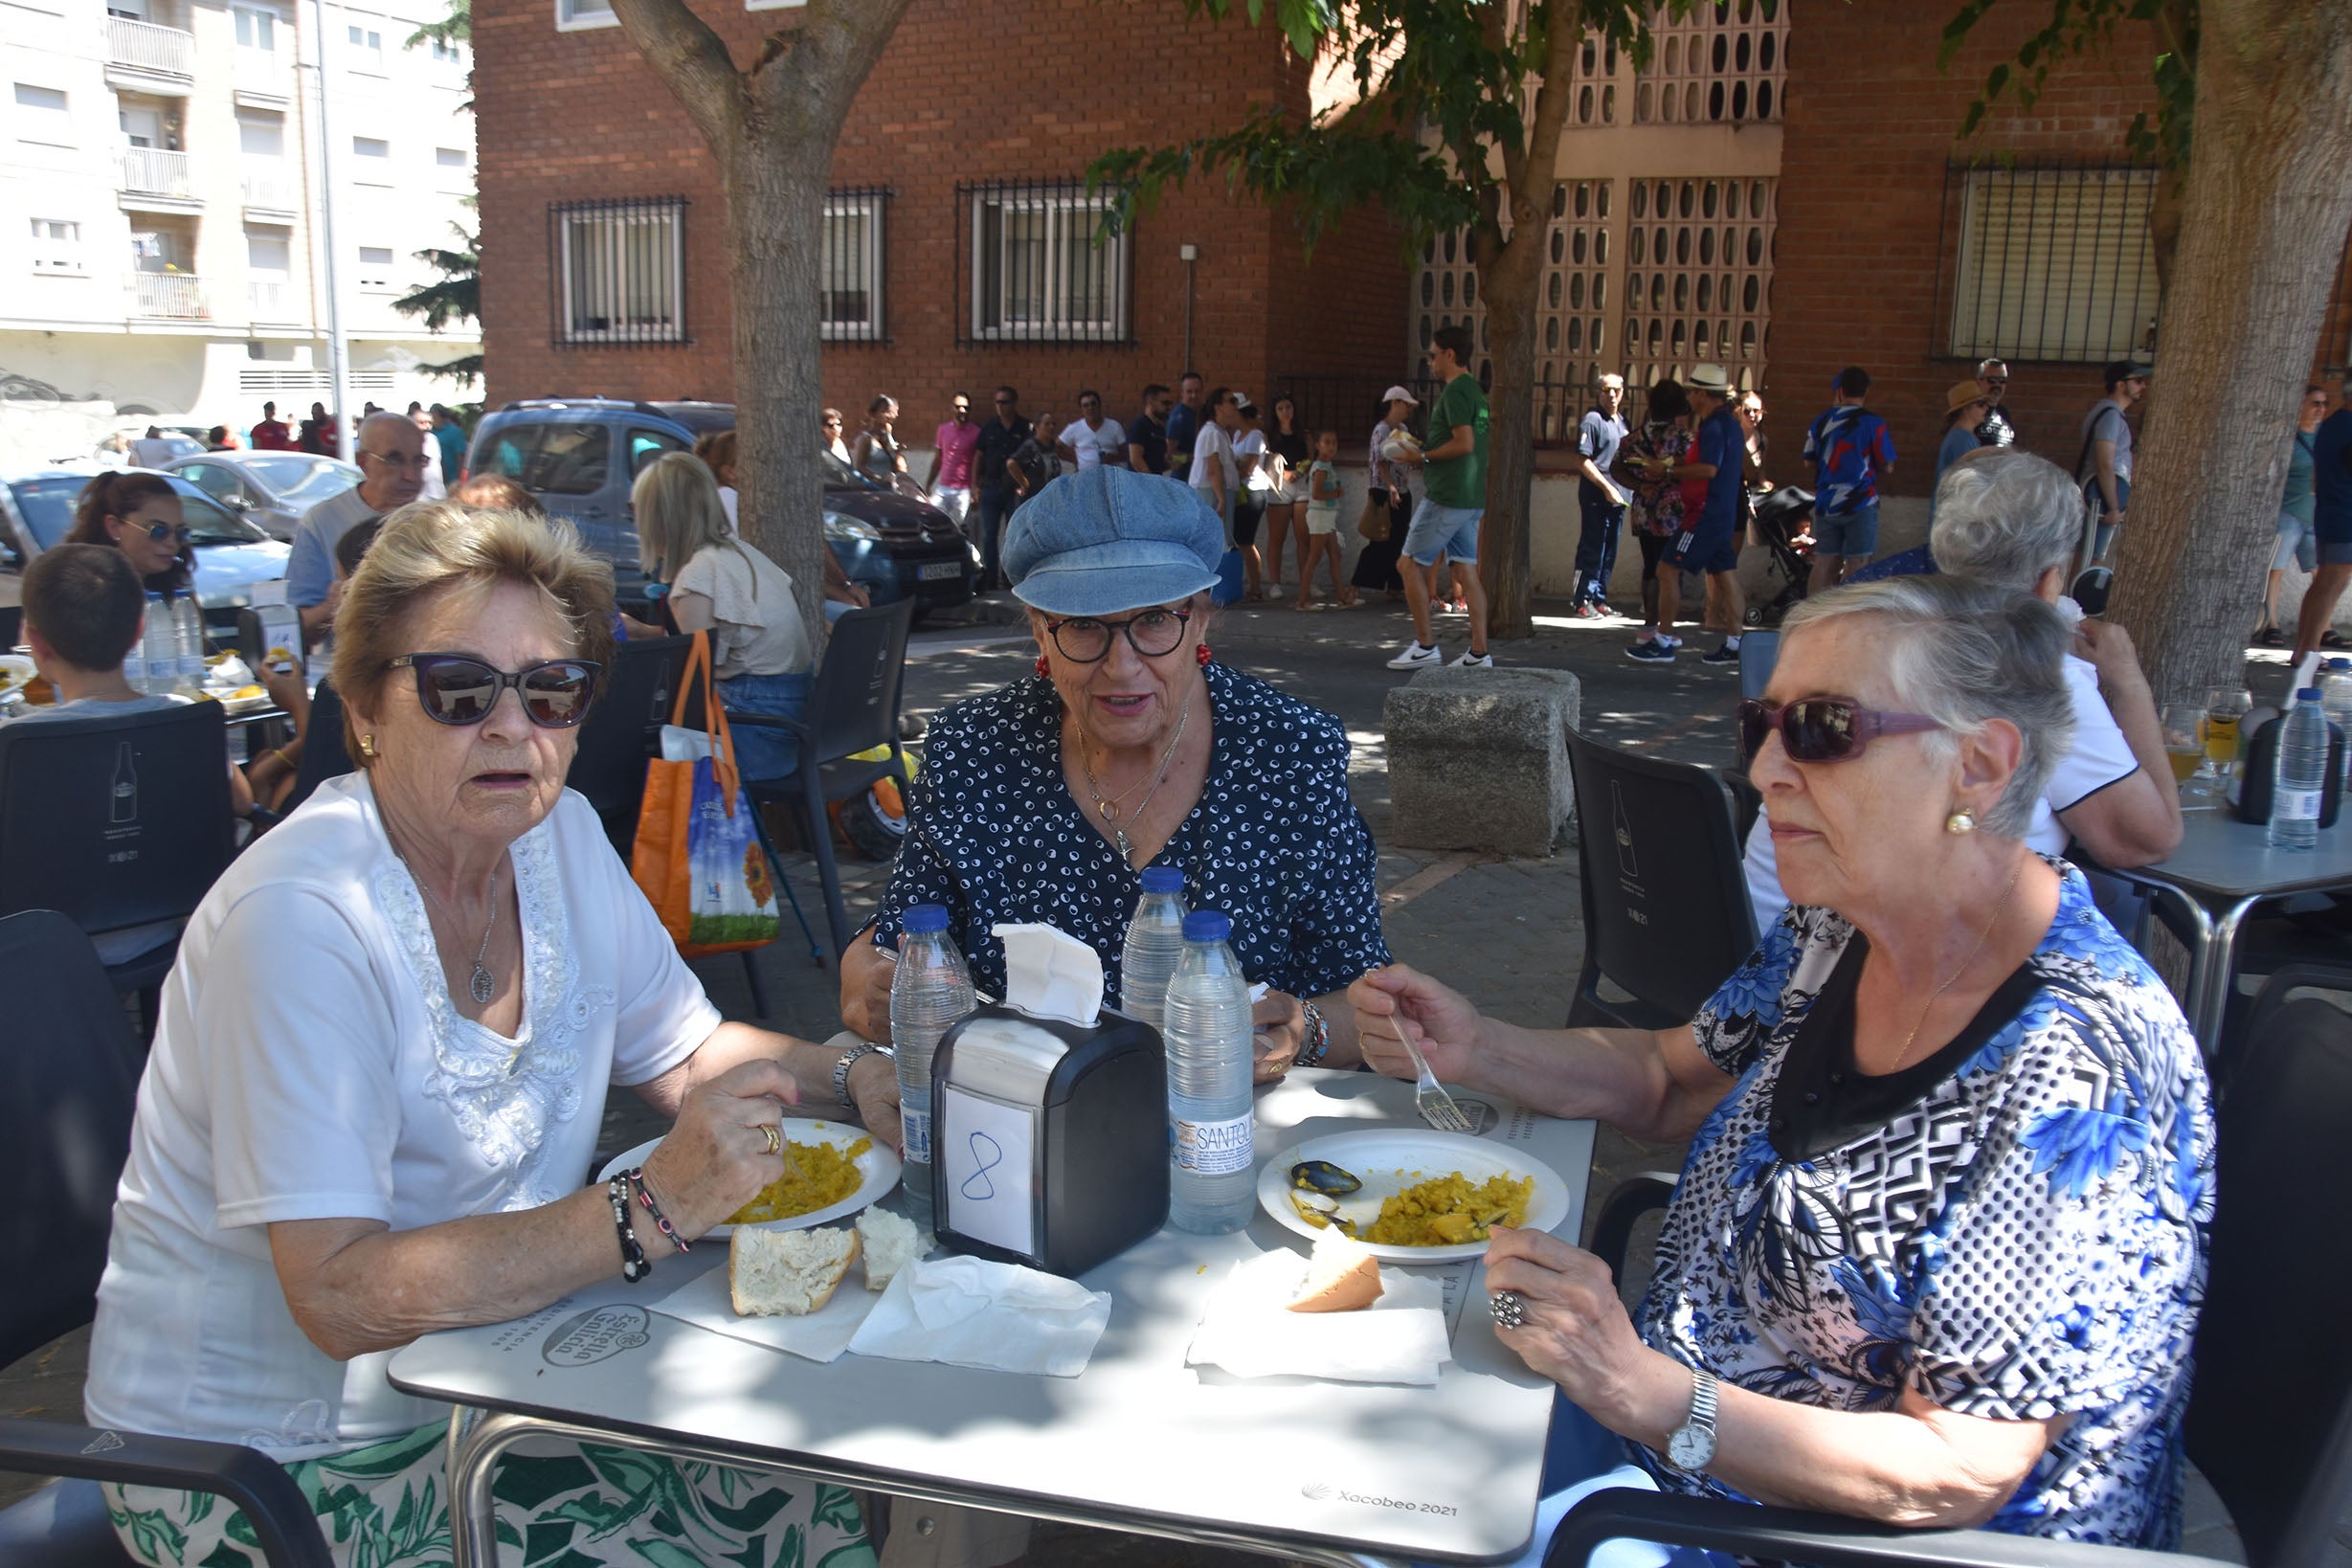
187, 643
135, 663
1154, 942
2336, 701
160, 643
1211, 1146
931, 992
2302, 774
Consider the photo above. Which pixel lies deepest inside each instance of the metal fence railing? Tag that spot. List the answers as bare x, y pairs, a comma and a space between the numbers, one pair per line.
2050, 261
152, 171
1035, 266
144, 46
178, 295
853, 265
618, 271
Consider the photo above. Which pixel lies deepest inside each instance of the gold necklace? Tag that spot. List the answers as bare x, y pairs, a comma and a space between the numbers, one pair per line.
1110, 807
1983, 938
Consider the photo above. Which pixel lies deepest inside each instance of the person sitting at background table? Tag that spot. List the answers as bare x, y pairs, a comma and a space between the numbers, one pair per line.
717, 449
139, 515
1939, 1243
1129, 747
379, 1076
2014, 520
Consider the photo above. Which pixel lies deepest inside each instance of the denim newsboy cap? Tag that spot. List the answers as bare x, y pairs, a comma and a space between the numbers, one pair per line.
1109, 538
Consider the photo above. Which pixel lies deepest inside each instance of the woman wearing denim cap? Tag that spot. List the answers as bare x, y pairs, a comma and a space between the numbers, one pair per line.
1130, 747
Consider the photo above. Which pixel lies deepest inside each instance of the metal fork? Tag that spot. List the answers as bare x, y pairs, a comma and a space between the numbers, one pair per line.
1437, 1107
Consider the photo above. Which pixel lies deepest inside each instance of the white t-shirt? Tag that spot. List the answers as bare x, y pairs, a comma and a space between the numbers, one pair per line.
307, 1065
759, 630
1109, 440
2101, 756
1212, 445
727, 500
1251, 443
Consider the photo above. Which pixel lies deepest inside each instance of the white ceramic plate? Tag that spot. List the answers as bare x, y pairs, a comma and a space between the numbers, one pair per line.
1389, 1159
878, 1165
16, 669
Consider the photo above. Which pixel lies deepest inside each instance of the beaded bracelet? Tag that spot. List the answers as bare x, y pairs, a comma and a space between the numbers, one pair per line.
634, 1265
636, 1177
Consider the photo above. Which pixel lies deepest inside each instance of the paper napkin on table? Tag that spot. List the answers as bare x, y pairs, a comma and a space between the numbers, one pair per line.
1247, 1330
975, 1313
821, 1335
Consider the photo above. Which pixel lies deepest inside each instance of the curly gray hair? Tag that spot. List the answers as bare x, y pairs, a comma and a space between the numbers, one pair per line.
2006, 517
1963, 652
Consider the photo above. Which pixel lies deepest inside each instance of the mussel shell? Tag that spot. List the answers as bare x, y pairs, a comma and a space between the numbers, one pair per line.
1318, 1175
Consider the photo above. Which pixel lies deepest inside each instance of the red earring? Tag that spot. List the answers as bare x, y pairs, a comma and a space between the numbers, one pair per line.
1044, 668
1201, 655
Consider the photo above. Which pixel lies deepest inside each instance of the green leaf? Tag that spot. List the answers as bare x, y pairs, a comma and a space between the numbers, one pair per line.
837, 1507
856, 1555
200, 1505
665, 1554
530, 1482
225, 1556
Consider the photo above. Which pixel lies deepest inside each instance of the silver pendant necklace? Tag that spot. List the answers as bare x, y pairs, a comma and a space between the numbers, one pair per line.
481, 985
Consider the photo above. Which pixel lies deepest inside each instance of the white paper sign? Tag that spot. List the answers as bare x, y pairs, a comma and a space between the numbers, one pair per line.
986, 1151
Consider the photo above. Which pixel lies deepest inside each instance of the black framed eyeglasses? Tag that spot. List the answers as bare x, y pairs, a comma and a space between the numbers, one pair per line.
1822, 728
1154, 634
461, 689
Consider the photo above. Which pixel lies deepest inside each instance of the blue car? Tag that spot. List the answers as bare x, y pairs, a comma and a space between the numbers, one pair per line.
36, 510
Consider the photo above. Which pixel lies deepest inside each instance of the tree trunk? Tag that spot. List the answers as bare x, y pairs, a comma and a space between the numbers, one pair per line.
2265, 209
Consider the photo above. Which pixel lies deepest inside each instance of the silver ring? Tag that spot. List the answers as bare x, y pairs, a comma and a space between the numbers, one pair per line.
1509, 1309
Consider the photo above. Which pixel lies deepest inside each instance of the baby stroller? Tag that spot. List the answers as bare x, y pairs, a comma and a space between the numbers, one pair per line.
1780, 516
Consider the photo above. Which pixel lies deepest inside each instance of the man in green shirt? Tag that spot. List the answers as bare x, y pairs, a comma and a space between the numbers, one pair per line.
1453, 500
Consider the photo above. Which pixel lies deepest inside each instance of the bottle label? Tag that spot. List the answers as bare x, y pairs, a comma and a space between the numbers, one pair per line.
916, 1126
2295, 806
1212, 1148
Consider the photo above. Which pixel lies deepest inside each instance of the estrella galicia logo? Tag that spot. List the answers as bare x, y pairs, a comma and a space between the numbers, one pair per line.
597, 1335
1316, 1491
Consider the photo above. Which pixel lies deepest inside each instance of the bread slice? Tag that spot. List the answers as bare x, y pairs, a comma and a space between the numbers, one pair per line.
786, 1273
1342, 1276
890, 1241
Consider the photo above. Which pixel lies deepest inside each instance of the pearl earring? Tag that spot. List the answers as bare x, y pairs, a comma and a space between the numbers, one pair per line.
1962, 820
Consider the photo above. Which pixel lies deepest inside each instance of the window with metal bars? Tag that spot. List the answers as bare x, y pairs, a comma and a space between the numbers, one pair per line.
621, 270
851, 266
2050, 263
1039, 268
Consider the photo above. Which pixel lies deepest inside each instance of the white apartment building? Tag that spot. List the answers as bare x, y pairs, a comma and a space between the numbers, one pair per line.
161, 174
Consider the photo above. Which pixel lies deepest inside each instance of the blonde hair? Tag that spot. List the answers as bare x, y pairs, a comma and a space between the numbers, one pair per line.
679, 514
430, 548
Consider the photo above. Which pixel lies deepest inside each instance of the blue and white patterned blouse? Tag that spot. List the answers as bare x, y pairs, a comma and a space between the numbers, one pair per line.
1274, 841
2026, 1241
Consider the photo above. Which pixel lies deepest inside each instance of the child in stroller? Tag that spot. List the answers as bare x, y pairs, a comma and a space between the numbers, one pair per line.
1783, 521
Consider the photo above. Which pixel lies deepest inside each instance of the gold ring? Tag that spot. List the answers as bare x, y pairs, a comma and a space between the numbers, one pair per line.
776, 1138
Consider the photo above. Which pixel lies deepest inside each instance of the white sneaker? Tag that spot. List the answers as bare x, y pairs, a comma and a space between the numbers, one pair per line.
1415, 656
1475, 660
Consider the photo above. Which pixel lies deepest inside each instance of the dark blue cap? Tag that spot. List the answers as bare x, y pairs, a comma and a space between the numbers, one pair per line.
1162, 879
2302, 694
922, 918
1207, 926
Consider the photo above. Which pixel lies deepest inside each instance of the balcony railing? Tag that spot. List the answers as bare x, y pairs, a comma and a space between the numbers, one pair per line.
270, 190
178, 295
149, 49
269, 299
152, 171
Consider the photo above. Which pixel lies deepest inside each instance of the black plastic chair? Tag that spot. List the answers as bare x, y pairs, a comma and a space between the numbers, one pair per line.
2269, 1427
853, 706
324, 755
120, 825
69, 1077
1666, 912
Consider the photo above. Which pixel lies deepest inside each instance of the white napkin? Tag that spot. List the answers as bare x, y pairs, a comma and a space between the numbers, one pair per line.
975, 1313
1246, 1329
821, 1336
1049, 973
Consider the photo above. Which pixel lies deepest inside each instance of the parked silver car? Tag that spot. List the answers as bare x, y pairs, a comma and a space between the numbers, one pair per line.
271, 490
36, 511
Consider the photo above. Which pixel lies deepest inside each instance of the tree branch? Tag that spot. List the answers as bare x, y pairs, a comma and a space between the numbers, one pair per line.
693, 63
808, 75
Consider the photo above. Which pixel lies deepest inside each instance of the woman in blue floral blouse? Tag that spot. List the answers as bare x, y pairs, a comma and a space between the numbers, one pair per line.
1939, 1245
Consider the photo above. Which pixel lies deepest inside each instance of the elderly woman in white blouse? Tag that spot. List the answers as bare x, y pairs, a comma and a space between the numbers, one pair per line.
379, 1072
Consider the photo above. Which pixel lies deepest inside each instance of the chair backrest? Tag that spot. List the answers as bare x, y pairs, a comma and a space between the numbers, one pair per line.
622, 729
114, 822
324, 755
853, 703
1666, 913
2269, 1416
68, 1080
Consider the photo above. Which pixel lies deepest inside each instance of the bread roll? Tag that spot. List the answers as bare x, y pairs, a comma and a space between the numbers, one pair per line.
1342, 1276
786, 1273
889, 1242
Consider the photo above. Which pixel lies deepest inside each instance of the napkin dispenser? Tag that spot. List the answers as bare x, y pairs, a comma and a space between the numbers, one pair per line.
2259, 771
262, 627
1049, 1141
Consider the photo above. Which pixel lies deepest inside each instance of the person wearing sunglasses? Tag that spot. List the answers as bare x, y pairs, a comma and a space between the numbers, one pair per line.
389, 1041
1938, 1245
139, 515
1995, 429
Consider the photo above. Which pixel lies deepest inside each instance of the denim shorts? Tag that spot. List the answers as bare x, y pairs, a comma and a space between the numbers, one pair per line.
1450, 531
1848, 533
2297, 543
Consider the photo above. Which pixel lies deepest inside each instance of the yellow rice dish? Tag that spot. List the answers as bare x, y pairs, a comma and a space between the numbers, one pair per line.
1448, 1211
827, 1174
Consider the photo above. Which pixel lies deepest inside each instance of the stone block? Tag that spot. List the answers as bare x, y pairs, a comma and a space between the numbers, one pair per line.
1478, 760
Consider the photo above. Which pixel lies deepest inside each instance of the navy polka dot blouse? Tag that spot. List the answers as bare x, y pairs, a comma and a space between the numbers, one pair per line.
993, 833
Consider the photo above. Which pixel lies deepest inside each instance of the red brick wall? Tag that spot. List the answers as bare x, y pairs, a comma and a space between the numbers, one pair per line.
1014, 89
1870, 123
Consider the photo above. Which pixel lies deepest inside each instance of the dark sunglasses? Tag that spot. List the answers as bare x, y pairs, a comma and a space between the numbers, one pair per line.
160, 532
459, 689
1154, 634
1821, 728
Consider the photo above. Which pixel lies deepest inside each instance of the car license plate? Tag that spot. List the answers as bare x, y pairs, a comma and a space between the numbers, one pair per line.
935, 570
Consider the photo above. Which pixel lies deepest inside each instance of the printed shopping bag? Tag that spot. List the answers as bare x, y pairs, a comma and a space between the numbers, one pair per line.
698, 856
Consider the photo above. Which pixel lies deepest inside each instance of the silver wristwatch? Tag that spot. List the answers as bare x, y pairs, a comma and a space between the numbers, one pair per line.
841, 1071
1691, 1447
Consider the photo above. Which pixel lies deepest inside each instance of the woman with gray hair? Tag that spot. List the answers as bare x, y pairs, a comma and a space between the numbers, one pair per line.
1938, 1245
2014, 520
